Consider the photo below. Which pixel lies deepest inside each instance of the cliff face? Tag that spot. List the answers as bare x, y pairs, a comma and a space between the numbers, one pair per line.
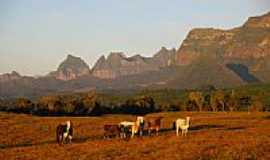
117, 64
164, 57
259, 22
248, 42
71, 68
203, 41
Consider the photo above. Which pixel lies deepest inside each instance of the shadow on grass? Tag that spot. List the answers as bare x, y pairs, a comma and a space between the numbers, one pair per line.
267, 117
82, 139
235, 128
24, 144
163, 130
79, 139
205, 126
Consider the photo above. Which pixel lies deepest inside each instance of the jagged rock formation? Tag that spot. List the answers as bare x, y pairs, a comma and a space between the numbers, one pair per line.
117, 64
71, 68
249, 42
164, 57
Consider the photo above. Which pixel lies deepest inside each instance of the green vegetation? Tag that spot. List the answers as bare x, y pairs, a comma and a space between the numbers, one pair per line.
245, 98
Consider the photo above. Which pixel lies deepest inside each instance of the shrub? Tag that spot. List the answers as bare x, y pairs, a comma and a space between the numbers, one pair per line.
141, 105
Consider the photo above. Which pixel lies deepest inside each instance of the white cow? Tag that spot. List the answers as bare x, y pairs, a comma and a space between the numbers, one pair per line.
182, 124
132, 125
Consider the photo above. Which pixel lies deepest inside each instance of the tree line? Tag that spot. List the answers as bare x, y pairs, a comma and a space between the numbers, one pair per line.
78, 105
92, 104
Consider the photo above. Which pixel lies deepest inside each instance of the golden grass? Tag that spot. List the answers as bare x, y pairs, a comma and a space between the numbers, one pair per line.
221, 136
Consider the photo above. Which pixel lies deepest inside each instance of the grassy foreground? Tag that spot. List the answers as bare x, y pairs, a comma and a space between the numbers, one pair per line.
223, 136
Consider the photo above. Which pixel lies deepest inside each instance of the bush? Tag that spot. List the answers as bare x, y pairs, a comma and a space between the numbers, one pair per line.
23, 105
141, 105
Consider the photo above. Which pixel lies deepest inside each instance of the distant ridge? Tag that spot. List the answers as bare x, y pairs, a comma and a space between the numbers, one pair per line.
207, 57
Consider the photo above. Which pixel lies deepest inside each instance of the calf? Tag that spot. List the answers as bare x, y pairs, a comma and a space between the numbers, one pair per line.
154, 123
111, 130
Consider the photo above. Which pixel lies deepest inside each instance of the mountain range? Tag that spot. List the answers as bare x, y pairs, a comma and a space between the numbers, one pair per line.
207, 56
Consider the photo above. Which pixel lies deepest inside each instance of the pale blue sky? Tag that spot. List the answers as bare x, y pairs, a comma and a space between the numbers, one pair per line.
36, 35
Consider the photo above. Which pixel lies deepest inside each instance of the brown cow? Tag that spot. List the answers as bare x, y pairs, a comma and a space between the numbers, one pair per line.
64, 132
154, 123
111, 130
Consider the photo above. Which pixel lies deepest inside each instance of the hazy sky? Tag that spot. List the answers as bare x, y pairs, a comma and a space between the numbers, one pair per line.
36, 35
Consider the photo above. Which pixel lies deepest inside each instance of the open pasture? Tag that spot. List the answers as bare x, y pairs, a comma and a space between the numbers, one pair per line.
236, 135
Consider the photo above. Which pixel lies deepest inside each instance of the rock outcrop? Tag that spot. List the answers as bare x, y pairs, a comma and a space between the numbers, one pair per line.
117, 64
248, 42
71, 68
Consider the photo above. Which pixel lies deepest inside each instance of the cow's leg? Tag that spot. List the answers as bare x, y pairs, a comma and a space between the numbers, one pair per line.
65, 137
69, 138
132, 134
122, 135
141, 132
61, 139
149, 132
105, 135
58, 139
157, 129
132, 131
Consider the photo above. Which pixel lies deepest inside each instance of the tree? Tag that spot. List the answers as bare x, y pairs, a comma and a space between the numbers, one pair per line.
140, 105
23, 105
230, 102
257, 105
70, 104
50, 105
217, 101
90, 106
196, 99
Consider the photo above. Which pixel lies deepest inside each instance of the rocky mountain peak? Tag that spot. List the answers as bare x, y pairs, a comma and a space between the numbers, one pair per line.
164, 52
259, 21
71, 68
116, 55
101, 62
10, 76
15, 74
164, 57
73, 62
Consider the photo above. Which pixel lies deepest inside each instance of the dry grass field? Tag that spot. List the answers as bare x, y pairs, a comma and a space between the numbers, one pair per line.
222, 136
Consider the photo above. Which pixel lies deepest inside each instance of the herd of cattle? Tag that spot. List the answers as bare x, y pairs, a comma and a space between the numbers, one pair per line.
124, 129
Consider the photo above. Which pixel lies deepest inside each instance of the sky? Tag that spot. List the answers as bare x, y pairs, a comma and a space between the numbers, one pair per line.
35, 36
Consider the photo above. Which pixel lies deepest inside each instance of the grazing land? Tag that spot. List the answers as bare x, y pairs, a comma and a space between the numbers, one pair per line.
212, 135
